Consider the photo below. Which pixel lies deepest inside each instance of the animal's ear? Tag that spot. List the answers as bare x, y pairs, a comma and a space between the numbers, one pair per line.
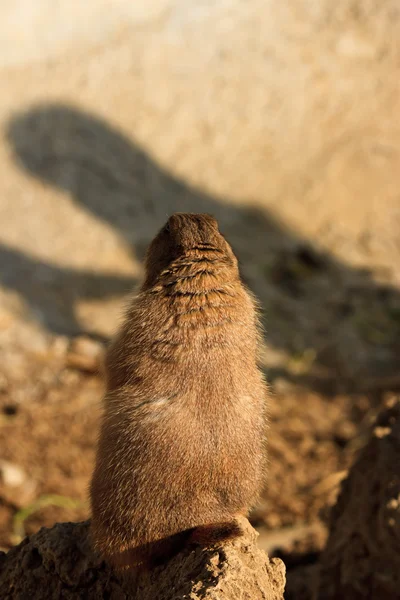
174, 222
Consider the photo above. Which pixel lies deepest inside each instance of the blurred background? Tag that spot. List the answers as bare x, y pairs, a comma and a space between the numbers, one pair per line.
282, 120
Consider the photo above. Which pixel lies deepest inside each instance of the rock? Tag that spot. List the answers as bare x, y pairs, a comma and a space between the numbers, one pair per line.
15, 486
362, 555
85, 354
12, 475
58, 563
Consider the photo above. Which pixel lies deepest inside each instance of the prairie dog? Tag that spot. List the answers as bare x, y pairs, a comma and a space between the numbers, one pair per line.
181, 451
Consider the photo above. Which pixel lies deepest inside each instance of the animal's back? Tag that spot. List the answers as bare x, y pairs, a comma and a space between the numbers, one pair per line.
182, 440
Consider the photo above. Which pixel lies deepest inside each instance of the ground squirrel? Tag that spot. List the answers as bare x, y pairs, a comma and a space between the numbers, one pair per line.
181, 450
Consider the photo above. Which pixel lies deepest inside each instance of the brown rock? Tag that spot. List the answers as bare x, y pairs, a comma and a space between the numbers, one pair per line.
362, 556
85, 354
58, 563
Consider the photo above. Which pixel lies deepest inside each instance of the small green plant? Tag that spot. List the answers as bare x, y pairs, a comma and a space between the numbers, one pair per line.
45, 500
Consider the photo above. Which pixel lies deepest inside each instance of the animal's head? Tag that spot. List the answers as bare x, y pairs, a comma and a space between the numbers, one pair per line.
186, 236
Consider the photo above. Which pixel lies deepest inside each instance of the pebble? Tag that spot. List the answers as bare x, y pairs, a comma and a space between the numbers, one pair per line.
85, 354
17, 488
12, 475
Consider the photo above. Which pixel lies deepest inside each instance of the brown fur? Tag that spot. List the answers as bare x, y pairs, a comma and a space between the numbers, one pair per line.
181, 448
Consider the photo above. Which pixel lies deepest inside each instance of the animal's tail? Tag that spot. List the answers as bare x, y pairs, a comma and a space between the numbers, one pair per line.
157, 553
215, 533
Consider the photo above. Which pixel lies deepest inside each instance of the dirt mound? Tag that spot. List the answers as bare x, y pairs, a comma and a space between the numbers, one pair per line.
362, 556
58, 563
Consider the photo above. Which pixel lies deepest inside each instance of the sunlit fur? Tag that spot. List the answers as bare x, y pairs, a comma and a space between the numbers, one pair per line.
182, 436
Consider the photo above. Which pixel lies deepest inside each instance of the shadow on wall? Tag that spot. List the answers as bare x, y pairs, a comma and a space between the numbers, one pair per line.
52, 291
312, 302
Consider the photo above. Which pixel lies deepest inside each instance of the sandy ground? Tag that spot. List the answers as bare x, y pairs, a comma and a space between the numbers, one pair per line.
281, 119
